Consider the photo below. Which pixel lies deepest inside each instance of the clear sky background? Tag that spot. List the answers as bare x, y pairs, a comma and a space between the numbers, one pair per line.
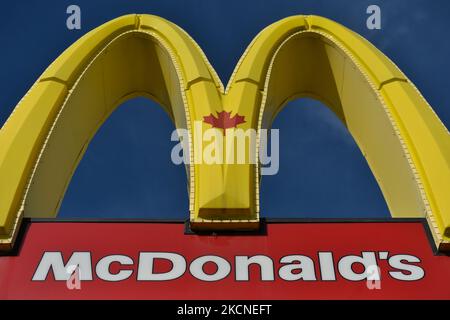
127, 171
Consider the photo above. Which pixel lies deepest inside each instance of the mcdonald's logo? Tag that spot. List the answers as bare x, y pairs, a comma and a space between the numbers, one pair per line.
404, 142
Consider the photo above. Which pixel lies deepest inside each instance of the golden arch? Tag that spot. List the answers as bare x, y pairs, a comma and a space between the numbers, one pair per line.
404, 142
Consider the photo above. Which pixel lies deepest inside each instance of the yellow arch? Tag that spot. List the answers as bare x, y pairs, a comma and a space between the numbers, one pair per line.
405, 144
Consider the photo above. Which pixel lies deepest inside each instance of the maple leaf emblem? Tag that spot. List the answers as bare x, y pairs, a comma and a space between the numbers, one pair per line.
224, 120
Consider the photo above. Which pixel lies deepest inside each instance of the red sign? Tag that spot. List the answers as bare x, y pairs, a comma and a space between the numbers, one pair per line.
87, 260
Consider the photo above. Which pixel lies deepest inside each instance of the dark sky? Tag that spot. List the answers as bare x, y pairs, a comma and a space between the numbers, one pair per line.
127, 171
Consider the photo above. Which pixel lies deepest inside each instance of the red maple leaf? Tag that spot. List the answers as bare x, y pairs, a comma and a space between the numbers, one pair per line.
224, 120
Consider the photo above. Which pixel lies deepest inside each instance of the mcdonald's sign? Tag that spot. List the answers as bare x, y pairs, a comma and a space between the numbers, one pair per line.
405, 144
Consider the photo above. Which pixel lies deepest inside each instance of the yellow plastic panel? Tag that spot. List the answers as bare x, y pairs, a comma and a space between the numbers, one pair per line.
20, 139
378, 66
70, 63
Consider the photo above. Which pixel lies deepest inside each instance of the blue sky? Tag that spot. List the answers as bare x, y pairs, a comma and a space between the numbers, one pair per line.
127, 171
